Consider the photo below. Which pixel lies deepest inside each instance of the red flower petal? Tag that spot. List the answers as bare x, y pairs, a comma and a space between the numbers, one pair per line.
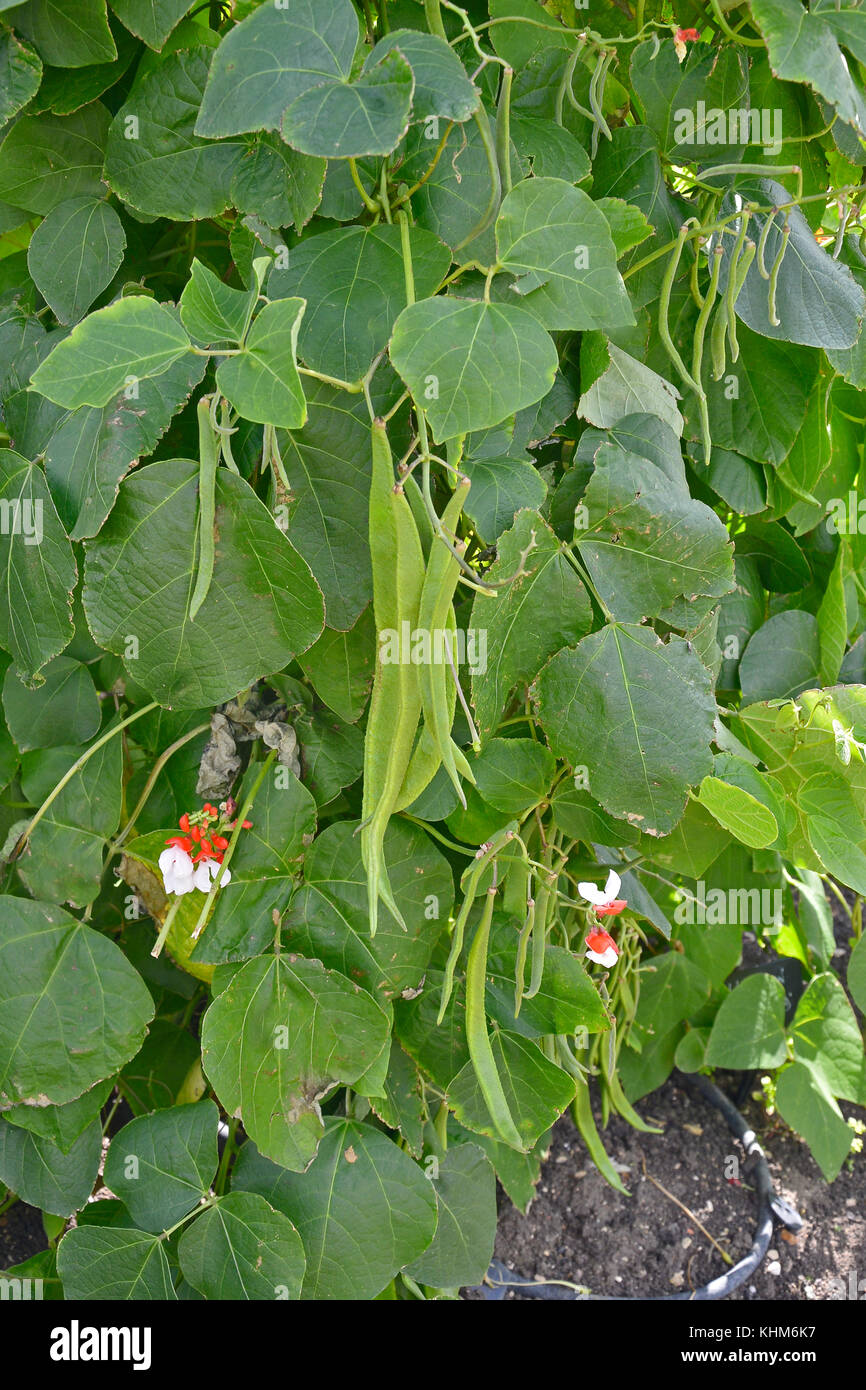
182, 841
196, 832
600, 941
219, 841
611, 909
184, 823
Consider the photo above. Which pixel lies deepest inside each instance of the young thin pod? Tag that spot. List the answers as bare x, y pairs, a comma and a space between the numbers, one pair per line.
583, 1117
477, 1037
469, 883
664, 311
698, 351
774, 276
208, 461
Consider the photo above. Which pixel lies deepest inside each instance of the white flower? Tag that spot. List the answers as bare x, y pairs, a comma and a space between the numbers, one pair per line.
206, 871
177, 869
596, 896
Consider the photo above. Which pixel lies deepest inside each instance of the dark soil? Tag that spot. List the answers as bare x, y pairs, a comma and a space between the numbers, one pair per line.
21, 1235
644, 1246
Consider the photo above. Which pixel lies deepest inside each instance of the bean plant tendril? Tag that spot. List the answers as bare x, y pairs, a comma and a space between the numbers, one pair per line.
432, 626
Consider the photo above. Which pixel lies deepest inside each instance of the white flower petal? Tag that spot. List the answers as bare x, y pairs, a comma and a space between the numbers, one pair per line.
592, 893
606, 958
611, 888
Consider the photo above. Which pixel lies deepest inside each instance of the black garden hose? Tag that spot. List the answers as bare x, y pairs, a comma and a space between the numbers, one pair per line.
500, 1278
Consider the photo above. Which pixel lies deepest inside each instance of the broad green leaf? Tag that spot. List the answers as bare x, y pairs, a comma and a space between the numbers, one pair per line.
352, 279
606, 705
501, 487
802, 47
282, 1034
826, 1034
749, 1029
537, 1091
645, 541
713, 948
471, 364
47, 159
271, 58
363, 1208
439, 1049
262, 382
673, 990
211, 311
514, 774
582, 818
548, 148
278, 184
566, 1001
442, 87
62, 1125
154, 160
328, 466
529, 620
691, 1050
106, 1263
20, 74
152, 22
803, 1101
43, 1175
242, 1248
782, 658
110, 350
63, 858
668, 93
56, 972
629, 167
623, 386
64, 709
736, 770
259, 579
93, 447
454, 199
64, 90
37, 569
328, 917
740, 812
758, 406
264, 866
339, 666
557, 242
342, 120
162, 1165
74, 254
465, 1186
332, 754
835, 828
644, 435
68, 39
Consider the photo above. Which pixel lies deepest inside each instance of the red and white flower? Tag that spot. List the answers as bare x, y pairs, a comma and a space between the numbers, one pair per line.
193, 859
605, 901
601, 948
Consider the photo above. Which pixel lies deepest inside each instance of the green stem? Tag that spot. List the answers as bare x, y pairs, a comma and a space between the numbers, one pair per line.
225, 1160
76, 767
503, 130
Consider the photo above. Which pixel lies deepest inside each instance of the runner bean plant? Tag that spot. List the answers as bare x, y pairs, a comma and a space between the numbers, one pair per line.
432, 613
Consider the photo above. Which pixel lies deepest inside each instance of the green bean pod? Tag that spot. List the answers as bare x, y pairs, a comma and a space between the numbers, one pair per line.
395, 703
436, 678
583, 1117
732, 289
469, 882
477, 1037
774, 276
717, 339
520, 963
664, 311
698, 351
209, 459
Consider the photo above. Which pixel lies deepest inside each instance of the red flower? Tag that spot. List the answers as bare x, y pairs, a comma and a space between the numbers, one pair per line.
184, 823
687, 36
602, 948
611, 909
219, 841
182, 841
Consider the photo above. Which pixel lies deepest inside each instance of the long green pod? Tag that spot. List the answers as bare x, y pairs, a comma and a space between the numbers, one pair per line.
395, 704
584, 1119
469, 882
717, 339
520, 963
440, 582
698, 350
545, 904
477, 1037
207, 473
615, 1093
731, 290
664, 310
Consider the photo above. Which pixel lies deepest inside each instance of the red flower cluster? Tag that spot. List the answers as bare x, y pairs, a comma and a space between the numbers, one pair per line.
204, 828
